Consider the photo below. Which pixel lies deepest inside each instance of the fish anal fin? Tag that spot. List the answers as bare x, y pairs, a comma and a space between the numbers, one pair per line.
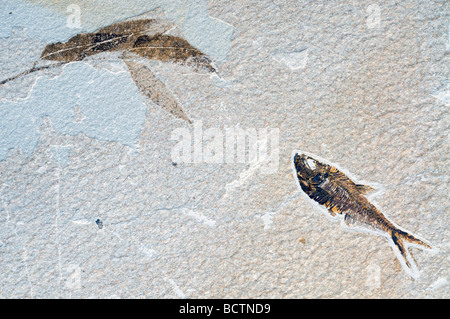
364, 189
332, 213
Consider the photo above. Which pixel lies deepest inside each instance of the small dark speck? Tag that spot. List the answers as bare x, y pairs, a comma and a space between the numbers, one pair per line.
174, 164
99, 223
10, 13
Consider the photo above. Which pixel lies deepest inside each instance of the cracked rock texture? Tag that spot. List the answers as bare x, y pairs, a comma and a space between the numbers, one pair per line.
95, 207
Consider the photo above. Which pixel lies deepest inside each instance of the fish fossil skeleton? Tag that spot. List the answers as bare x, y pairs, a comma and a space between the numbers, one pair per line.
342, 197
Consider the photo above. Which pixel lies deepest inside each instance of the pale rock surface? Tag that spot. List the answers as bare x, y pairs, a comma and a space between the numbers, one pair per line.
92, 204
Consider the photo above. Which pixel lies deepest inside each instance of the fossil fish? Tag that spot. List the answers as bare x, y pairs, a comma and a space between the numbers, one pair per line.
342, 197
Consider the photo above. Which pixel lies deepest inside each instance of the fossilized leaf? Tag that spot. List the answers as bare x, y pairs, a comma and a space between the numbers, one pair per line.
118, 36
155, 89
143, 37
173, 49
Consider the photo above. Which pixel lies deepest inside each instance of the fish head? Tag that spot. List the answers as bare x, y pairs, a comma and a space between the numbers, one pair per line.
310, 172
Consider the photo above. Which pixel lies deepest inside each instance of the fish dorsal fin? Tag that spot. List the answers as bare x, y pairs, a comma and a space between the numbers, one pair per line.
341, 177
364, 189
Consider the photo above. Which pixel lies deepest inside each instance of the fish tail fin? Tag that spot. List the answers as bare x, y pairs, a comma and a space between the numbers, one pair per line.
401, 242
411, 240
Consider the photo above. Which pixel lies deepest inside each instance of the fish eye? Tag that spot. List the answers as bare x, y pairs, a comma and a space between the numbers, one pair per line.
311, 163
